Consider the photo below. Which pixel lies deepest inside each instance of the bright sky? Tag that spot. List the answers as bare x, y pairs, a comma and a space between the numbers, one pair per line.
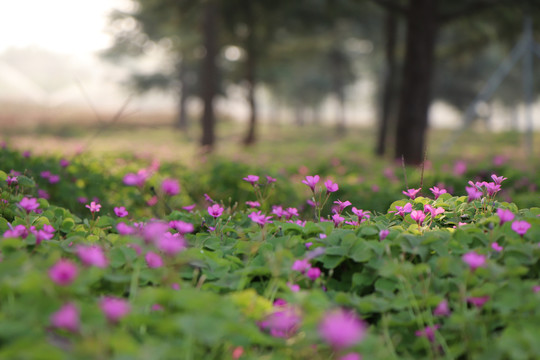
67, 26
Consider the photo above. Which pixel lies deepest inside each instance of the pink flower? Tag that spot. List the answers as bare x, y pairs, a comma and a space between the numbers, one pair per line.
92, 256
383, 234
492, 188
536, 288
181, 226
253, 204
359, 212
505, 215
46, 233
282, 323
437, 192
137, 179
259, 218
171, 244
473, 193
94, 207
293, 287
401, 210
498, 179
237, 352
496, 247
331, 186
124, 229
270, 179
311, 181
53, 179
215, 210
433, 211
29, 204
43, 194
290, 212
412, 193
64, 163
520, 227
252, 179
474, 260
154, 231
121, 211
460, 167
45, 174
300, 265
114, 308
478, 301
313, 273
189, 208
153, 260
175, 286
418, 216
19, 231
63, 272
342, 329
442, 309
337, 219
170, 187
341, 205
152, 201
11, 180
351, 356
66, 318
428, 332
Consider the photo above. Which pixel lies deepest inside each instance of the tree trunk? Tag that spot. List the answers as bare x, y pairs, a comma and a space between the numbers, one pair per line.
250, 76
415, 97
182, 121
338, 61
388, 82
209, 74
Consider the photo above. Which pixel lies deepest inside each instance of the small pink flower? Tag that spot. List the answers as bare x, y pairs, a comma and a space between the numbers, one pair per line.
156, 307
171, 244
94, 207
308, 244
124, 229
175, 286
412, 193
474, 260
29, 204
300, 265
402, 210
181, 226
66, 318
252, 179
152, 201
520, 227
492, 188
18, 231
114, 308
383, 234
428, 332
11, 180
237, 352
496, 247
342, 329
259, 218
92, 256
283, 322
121, 211
337, 219
351, 356
53, 179
153, 260
342, 205
331, 186
498, 179
215, 210
313, 273
311, 181
478, 301
45, 174
253, 204
64, 163
270, 179
442, 309
418, 216
170, 187
437, 192
473, 193
359, 212
460, 167
189, 208
293, 287
536, 288
505, 215
63, 273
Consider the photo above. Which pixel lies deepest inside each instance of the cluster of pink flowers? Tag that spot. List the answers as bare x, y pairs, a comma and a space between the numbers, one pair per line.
52, 178
303, 266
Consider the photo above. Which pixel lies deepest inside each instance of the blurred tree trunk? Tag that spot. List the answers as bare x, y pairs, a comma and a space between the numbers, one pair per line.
182, 121
209, 74
389, 82
415, 97
251, 64
338, 60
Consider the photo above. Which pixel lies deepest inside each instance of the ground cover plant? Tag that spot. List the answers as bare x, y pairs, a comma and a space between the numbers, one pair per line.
122, 257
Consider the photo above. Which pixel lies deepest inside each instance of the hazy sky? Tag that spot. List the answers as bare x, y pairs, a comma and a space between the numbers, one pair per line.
68, 26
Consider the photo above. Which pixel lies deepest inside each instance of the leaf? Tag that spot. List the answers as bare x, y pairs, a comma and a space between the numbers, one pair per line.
361, 252
25, 181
